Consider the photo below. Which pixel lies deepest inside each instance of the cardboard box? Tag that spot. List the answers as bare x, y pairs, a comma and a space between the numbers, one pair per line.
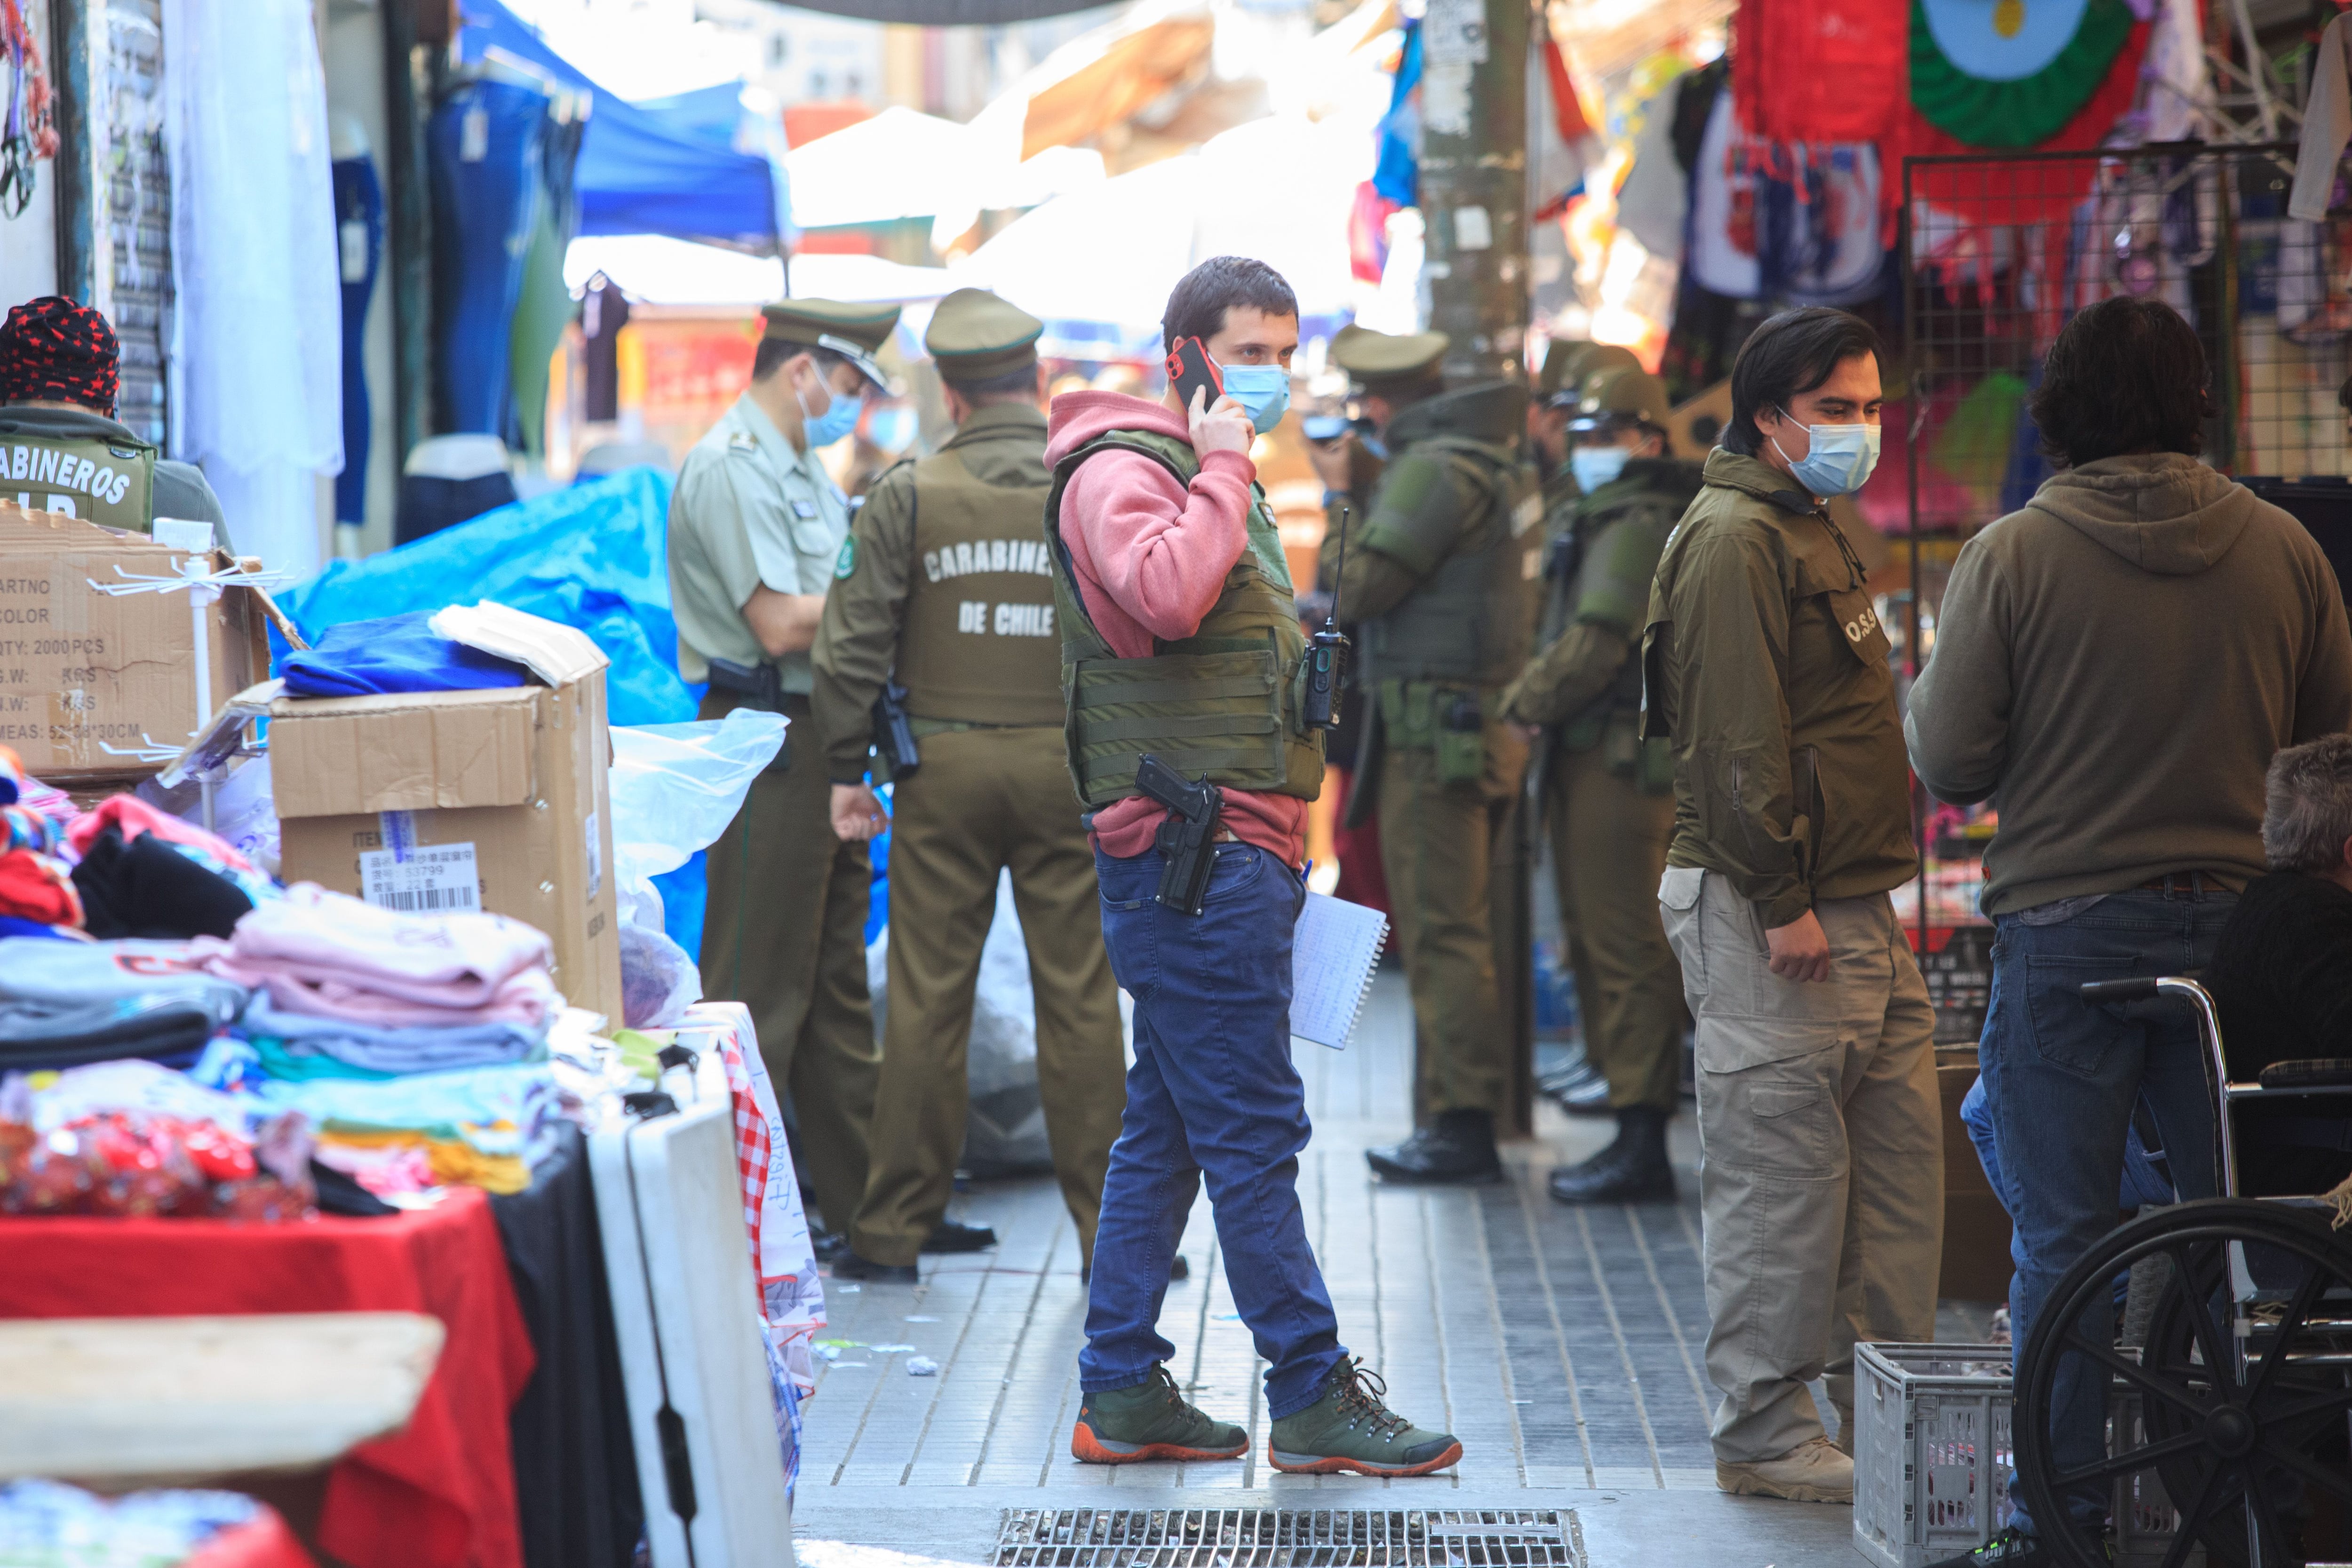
1976, 1227
81, 671
436, 801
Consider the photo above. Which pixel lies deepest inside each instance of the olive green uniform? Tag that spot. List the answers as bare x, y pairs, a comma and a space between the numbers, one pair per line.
78, 462
947, 582
1443, 580
785, 926
1821, 1193
1607, 795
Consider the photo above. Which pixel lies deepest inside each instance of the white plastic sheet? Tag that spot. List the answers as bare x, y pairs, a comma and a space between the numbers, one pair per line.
674, 788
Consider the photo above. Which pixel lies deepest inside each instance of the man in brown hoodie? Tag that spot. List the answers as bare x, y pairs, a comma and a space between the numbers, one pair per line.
2115, 666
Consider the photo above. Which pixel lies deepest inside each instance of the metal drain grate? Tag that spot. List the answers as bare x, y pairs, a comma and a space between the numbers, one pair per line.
1285, 1538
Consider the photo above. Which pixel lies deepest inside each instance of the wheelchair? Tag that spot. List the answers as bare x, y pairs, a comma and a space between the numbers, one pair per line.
2230, 1418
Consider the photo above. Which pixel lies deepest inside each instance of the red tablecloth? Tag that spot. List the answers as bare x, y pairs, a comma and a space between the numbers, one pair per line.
441, 1493
264, 1544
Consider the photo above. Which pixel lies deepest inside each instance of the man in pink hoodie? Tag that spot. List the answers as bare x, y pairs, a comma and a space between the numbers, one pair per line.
1180, 640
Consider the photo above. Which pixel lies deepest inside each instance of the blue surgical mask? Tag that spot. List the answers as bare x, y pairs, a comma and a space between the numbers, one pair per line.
1262, 390
839, 418
1841, 460
1597, 466
893, 428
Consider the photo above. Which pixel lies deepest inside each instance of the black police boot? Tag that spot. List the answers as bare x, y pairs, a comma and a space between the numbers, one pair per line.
1457, 1148
847, 1265
1633, 1170
954, 1235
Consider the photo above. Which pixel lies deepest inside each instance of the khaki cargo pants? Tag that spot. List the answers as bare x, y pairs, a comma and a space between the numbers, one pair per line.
1822, 1174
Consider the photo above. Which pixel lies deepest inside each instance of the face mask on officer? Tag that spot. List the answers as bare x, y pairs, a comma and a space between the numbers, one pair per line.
1827, 435
836, 419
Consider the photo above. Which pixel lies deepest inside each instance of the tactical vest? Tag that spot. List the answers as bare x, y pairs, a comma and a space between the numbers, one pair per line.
99, 481
1613, 571
1470, 621
980, 642
1224, 701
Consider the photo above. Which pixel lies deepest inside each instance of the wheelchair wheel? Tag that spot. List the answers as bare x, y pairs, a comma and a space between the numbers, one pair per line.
2242, 1412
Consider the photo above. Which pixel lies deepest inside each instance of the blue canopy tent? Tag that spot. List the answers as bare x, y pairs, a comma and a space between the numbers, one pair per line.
670, 167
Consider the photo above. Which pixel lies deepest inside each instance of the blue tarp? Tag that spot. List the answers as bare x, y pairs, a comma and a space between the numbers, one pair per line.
595, 556
646, 169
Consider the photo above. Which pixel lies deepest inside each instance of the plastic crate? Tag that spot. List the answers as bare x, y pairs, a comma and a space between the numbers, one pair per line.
1932, 1457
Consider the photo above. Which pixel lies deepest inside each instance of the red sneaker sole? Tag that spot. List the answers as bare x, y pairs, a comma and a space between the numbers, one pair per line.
1341, 1466
1088, 1450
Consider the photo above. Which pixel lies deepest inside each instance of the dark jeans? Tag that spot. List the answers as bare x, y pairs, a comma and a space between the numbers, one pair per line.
1213, 1094
2060, 1077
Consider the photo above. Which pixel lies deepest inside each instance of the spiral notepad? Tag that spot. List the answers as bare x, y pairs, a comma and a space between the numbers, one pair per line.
1333, 953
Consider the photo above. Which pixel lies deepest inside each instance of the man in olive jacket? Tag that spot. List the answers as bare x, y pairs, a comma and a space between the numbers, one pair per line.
1821, 1192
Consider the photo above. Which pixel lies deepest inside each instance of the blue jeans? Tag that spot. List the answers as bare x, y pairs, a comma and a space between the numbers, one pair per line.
2145, 1182
1213, 1094
2061, 1077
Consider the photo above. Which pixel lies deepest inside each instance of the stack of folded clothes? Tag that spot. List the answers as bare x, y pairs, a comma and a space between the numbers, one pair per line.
66, 1004
415, 1043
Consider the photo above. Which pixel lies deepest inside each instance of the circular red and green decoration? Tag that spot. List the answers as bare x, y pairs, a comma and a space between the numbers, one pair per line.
2010, 73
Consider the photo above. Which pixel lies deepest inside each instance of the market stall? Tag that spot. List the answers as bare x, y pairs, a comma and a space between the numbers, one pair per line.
230, 1093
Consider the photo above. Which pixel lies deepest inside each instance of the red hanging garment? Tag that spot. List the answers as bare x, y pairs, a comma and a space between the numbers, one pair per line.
1821, 70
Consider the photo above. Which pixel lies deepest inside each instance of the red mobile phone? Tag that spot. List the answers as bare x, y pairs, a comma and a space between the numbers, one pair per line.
1189, 366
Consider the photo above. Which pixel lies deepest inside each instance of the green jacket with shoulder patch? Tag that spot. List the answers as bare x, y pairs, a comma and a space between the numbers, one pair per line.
1765, 663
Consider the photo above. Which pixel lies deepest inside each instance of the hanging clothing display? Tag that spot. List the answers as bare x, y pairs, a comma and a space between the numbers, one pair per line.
359, 237
1820, 70
604, 312
1652, 201
2326, 125
485, 145
257, 328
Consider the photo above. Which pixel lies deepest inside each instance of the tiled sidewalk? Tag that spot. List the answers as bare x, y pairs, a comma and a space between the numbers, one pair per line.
1562, 1345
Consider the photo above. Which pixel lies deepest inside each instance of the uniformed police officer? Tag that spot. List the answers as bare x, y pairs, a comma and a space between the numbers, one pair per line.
1441, 576
945, 588
60, 449
755, 527
1609, 796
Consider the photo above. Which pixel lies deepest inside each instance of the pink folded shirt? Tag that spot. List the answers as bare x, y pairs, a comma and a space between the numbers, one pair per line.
333, 956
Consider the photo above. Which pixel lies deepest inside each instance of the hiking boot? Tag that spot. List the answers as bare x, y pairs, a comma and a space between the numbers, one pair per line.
1457, 1149
2012, 1548
1813, 1471
1633, 1170
1150, 1421
1350, 1429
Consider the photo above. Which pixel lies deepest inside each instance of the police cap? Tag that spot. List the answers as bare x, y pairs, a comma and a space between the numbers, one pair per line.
974, 335
1386, 361
1558, 366
1578, 371
1615, 397
852, 331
